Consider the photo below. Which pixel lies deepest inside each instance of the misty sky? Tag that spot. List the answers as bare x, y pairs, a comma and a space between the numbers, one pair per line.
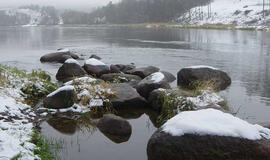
57, 3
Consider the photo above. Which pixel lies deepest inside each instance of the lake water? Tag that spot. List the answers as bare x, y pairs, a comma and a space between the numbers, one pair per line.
244, 55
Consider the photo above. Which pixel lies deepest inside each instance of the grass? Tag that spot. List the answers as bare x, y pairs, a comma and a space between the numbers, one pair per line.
46, 149
34, 85
172, 104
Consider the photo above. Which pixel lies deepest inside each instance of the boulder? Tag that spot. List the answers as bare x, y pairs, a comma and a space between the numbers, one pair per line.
119, 78
208, 134
152, 82
169, 77
165, 146
144, 71
59, 57
115, 128
69, 70
95, 67
118, 68
126, 97
95, 56
156, 99
191, 76
61, 98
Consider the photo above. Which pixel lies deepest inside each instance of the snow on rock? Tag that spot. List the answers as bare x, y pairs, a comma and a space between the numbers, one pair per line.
63, 50
213, 122
201, 66
64, 88
207, 98
239, 12
71, 60
157, 77
94, 62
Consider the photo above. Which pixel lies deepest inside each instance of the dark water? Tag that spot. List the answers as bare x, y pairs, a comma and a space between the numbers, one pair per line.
245, 55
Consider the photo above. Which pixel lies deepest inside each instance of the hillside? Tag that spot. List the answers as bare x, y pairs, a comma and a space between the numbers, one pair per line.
236, 12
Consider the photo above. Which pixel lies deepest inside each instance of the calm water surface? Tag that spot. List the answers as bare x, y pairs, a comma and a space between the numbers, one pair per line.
245, 55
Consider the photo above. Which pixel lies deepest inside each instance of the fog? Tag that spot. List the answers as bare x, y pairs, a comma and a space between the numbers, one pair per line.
68, 4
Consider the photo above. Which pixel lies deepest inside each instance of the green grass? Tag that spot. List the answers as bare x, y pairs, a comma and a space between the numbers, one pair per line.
46, 149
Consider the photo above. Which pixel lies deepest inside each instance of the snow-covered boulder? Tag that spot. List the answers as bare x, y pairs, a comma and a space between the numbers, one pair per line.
61, 98
208, 134
59, 57
120, 78
70, 70
126, 97
118, 68
95, 67
190, 77
152, 82
144, 71
115, 128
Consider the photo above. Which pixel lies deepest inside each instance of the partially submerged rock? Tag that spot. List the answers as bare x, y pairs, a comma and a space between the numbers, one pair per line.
95, 56
144, 71
59, 57
152, 82
61, 98
95, 67
119, 78
118, 68
115, 128
192, 77
126, 96
208, 134
69, 70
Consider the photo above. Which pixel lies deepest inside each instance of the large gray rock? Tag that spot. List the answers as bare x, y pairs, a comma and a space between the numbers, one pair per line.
190, 77
120, 78
115, 128
61, 98
95, 67
165, 146
152, 82
144, 71
69, 71
58, 57
126, 97
169, 77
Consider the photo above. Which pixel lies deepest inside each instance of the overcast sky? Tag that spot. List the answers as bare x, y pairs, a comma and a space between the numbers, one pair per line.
57, 3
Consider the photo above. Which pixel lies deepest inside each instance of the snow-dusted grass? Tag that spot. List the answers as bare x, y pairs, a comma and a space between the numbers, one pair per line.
213, 122
242, 13
31, 86
16, 118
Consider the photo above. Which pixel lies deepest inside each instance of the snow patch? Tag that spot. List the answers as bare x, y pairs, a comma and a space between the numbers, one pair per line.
63, 50
81, 80
213, 122
201, 66
157, 77
94, 62
206, 99
72, 61
64, 88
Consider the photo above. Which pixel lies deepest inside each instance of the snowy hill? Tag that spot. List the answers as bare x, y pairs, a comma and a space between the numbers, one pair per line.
236, 12
29, 15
